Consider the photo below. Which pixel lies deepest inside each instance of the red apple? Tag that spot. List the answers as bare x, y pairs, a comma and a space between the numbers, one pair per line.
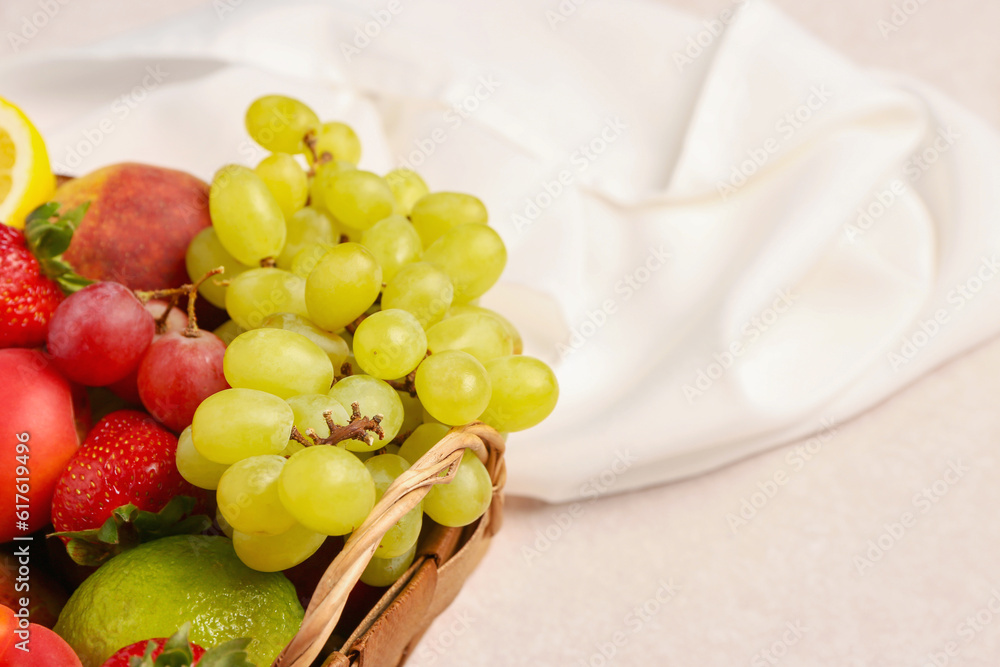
139, 224
26, 644
37, 438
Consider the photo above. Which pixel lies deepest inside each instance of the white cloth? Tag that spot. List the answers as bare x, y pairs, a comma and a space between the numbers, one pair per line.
721, 234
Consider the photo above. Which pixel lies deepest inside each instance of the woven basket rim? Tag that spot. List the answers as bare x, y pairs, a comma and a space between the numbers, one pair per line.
405, 493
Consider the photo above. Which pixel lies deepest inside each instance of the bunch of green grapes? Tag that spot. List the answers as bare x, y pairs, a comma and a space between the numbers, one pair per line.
355, 343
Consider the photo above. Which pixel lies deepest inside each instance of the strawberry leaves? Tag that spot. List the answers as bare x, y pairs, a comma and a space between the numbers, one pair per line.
177, 653
48, 235
128, 527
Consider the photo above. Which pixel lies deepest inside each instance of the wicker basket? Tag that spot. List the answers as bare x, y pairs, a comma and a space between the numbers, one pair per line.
445, 559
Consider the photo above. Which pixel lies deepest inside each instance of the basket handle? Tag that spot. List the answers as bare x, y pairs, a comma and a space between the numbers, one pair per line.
405, 493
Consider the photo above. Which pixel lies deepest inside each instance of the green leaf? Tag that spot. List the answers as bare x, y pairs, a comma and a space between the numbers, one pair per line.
231, 654
128, 527
49, 235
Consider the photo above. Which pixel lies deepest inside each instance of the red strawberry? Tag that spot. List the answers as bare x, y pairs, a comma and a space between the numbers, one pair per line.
33, 276
27, 297
179, 652
127, 458
123, 656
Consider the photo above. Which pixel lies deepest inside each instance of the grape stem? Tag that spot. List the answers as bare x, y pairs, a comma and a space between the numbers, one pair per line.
407, 384
359, 428
161, 321
353, 326
268, 263
174, 293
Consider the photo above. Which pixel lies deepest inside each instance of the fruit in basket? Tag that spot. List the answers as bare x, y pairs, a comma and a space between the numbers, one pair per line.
32, 646
26, 179
127, 458
36, 414
139, 224
174, 580
179, 651
98, 335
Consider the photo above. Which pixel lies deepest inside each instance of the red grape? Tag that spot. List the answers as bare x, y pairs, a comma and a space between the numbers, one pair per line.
98, 335
178, 372
128, 387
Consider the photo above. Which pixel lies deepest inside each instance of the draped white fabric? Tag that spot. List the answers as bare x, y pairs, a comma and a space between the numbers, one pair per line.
722, 234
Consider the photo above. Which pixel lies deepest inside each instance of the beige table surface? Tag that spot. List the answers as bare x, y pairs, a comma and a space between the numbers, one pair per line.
881, 545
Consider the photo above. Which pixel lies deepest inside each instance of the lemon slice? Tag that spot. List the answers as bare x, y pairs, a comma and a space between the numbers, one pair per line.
26, 179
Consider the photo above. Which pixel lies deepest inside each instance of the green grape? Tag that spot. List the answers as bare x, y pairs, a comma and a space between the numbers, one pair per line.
421, 440
338, 142
322, 173
245, 215
364, 456
227, 331
308, 410
306, 259
389, 344
285, 180
271, 553
421, 290
392, 449
224, 526
194, 467
234, 424
280, 123
334, 346
429, 418
525, 392
248, 496
482, 336
473, 256
465, 498
384, 469
374, 397
278, 361
258, 293
407, 188
436, 213
382, 572
307, 227
205, 253
356, 198
342, 286
413, 412
394, 242
327, 489
515, 335
453, 386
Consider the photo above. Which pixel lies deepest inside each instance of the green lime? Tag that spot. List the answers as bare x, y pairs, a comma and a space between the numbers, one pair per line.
153, 589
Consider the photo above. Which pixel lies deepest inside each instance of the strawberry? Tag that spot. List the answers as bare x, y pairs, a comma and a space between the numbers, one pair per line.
124, 471
178, 651
123, 656
27, 297
33, 277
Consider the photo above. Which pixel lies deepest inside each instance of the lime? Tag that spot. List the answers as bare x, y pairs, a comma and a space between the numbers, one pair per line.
153, 589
